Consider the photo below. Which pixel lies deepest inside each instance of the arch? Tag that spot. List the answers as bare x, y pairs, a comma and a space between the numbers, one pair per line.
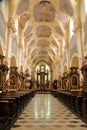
1, 51
13, 62
71, 26
75, 61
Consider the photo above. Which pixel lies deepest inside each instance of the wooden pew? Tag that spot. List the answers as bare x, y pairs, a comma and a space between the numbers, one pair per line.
13, 103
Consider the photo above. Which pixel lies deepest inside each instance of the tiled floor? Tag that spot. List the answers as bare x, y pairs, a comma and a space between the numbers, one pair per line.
45, 112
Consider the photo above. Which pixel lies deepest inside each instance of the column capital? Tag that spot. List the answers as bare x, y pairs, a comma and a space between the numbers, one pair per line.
11, 24
77, 24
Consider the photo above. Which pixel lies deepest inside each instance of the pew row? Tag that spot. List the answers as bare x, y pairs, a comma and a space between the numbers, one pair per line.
11, 106
74, 100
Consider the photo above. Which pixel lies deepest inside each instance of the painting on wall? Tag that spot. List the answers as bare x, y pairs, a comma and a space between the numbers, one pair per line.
66, 7
44, 12
43, 31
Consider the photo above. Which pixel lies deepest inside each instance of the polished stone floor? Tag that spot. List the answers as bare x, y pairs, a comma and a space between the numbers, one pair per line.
45, 112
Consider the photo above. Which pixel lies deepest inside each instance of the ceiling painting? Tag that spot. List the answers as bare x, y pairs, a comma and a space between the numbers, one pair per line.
44, 12
28, 30
63, 19
44, 25
34, 52
31, 43
54, 43
43, 42
28, 37
22, 6
42, 52
43, 31
66, 7
59, 30
23, 19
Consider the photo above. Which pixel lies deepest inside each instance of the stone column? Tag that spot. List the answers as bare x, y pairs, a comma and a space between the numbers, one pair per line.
11, 29
25, 56
19, 52
21, 44
67, 46
61, 63
78, 31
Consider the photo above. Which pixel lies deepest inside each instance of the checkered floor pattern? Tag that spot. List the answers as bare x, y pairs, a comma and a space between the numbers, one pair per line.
45, 112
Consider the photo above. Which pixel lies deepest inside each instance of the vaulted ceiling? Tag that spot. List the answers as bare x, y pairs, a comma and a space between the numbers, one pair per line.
44, 23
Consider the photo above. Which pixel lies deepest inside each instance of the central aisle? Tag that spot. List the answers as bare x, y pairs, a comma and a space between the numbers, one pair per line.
45, 112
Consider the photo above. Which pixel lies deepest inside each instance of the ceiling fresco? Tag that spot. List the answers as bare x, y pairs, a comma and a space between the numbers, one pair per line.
44, 12
22, 6
66, 7
43, 31
31, 43
59, 30
44, 23
43, 42
23, 19
34, 52
63, 19
28, 37
54, 43
42, 52
28, 30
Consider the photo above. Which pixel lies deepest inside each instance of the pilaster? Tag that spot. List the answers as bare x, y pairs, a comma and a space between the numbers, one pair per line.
78, 31
67, 47
11, 29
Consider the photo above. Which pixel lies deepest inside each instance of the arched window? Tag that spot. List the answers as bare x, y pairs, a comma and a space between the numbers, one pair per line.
63, 43
85, 4
71, 27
